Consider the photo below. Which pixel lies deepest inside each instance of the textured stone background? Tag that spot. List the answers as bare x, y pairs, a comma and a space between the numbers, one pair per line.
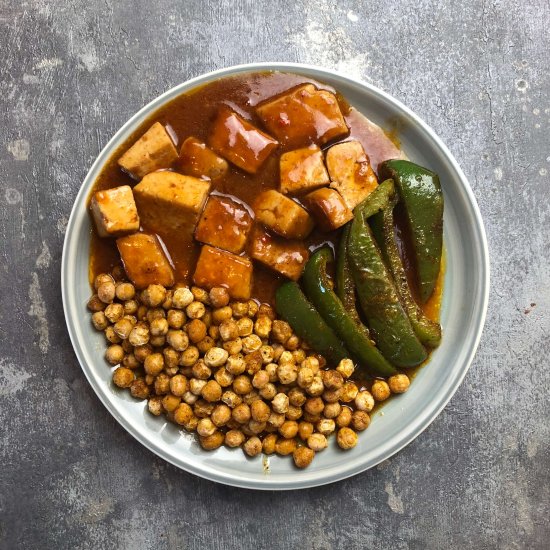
72, 72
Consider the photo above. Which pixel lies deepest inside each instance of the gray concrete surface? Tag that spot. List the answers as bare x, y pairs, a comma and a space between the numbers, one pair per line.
72, 72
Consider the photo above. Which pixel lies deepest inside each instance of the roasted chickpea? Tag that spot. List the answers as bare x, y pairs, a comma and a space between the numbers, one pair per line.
139, 335
380, 390
245, 326
112, 336
205, 344
253, 446
102, 278
332, 410
311, 363
219, 297
191, 426
221, 415
196, 385
221, 314
189, 356
123, 328
304, 377
114, 354
130, 307
114, 312
141, 352
201, 370
234, 438
287, 373
296, 397
127, 347
154, 364
260, 379
178, 385
262, 326
346, 438
162, 384
155, 313
142, 312
326, 426
332, 396
289, 429
95, 304
216, 357
223, 377
125, 291
314, 405
305, 429
253, 362
139, 389
268, 444
364, 401
159, 326
183, 413
130, 361
100, 320
345, 368
200, 295
242, 385
293, 343
399, 383
280, 403
332, 379
285, 447
303, 456
175, 318
231, 399
271, 369
233, 347
260, 411
212, 392
269, 391
251, 343
299, 355
153, 295
313, 418
203, 408
349, 392
181, 298
123, 377
229, 330
177, 339
212, 442
241, 413
155, 405
344, 418
317, 442
360, 420
281, 331
196, 330
205, 427
106, 292
190, 398
316, 387
171, 357
195, 310
235, 364
170, 402
256, 427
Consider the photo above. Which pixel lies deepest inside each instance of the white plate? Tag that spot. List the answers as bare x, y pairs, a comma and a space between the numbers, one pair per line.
405, 417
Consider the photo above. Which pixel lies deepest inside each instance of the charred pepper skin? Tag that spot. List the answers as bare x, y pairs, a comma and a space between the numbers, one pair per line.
292, 305
382, 224
420, 191
379, 298
353, 333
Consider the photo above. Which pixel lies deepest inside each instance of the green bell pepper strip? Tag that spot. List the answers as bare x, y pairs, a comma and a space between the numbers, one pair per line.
382, 225
354, 334
379, 298
292, 305
420, 191
345, 286
377, 200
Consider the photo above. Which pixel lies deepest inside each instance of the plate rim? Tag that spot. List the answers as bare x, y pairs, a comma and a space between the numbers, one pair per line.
484, 276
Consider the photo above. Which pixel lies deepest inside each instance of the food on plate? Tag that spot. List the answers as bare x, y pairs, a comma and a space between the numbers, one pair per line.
261, 288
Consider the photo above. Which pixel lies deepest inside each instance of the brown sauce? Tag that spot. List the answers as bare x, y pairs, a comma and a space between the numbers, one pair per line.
192, 114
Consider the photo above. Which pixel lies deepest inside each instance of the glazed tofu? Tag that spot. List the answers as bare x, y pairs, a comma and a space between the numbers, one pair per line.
114, 212
302, 170
144, 260
350, 172
328, 209
238, 141
302, 116
286, 257
196, 159
282, 215
169, 202
217, 267
152, 151
224, 223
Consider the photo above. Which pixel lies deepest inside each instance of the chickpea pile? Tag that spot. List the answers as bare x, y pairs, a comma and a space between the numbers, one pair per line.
230, 371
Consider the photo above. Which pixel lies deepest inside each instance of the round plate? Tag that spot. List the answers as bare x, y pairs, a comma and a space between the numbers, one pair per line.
405, 417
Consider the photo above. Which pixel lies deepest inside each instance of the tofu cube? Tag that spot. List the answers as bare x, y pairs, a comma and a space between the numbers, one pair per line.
196, 159
286, 257
303, 115
241, 143
217, 267
144, 260
282, 215
169, 202
351, 173
302, 170
328, 209
224, 223
114, 212
152, 151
